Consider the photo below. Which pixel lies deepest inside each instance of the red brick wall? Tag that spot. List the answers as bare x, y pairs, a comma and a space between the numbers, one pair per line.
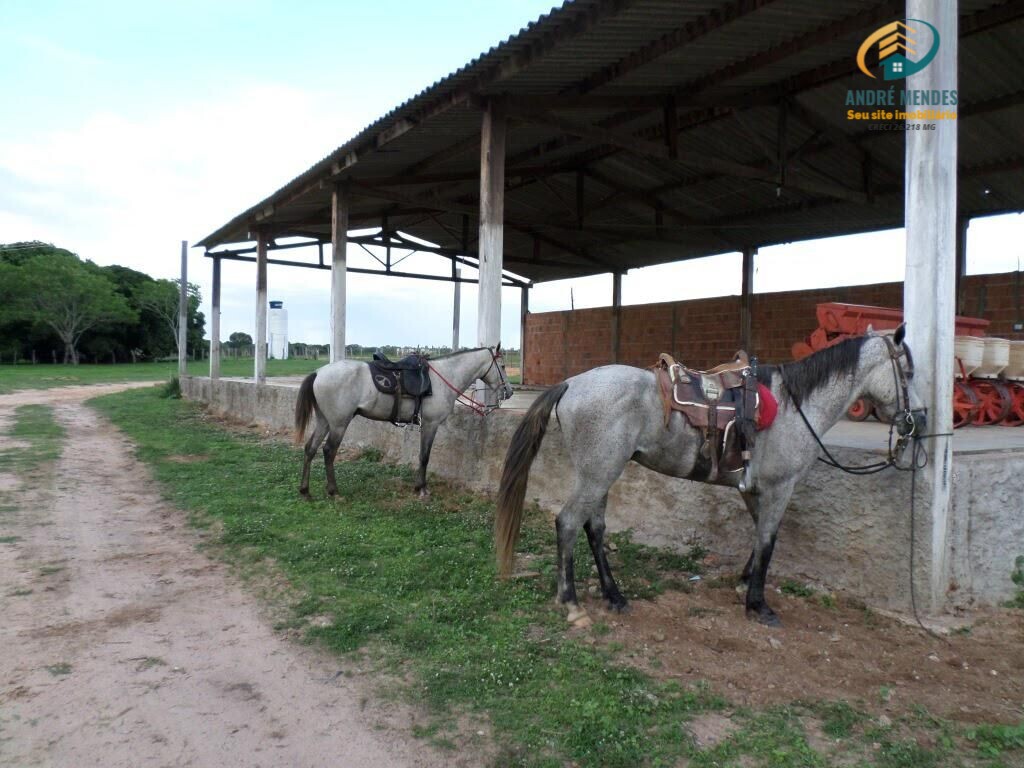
704, 332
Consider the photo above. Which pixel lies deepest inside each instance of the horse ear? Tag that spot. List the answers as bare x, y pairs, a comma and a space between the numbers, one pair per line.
901, 332
497, 349
870, 331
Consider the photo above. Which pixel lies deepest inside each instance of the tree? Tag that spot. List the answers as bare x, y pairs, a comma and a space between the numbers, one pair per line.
239, 339
68, 296
161, 298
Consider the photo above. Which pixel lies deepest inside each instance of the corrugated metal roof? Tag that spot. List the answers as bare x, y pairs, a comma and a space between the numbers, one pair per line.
732, 69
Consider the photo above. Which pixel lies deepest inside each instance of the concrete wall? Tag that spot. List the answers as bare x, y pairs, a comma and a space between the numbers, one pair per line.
841, 532
704, 332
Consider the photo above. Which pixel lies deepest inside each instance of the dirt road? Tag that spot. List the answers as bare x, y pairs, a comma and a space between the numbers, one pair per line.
122, 645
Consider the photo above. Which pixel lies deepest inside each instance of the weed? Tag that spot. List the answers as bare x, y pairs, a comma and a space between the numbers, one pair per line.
790, 587
171, 388
994, 740
147, 662
61, 668
9, 539
839, 719
1017, 576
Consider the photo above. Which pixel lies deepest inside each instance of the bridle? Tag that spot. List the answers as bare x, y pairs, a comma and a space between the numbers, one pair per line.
480, 409
907, 423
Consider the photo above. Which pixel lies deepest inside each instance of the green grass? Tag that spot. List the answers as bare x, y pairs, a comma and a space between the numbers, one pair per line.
14, 377
42, 436
408, 590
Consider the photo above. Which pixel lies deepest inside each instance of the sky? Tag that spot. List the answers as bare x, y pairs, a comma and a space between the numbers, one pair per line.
131, 126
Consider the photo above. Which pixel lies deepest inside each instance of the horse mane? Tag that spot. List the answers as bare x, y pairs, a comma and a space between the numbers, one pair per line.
803, 377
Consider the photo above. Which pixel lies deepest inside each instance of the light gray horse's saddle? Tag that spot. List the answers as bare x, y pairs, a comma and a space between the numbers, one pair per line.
721, 402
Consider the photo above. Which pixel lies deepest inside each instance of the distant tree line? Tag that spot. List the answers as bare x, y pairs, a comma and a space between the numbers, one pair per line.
55, 307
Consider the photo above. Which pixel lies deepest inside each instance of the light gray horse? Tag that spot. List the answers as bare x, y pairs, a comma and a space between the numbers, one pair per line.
614, 414
343, 390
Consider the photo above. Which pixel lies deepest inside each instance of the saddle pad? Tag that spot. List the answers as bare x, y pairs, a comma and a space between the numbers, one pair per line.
767, 407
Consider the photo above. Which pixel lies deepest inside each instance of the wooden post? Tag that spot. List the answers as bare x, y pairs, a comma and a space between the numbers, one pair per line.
183, 312
456, 310
929, 291
616, 314
492, 216
524, 313
339, 264
261, 308
746, 299
215, 322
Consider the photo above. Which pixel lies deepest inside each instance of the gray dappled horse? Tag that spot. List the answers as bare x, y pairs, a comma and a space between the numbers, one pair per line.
614, 414
343, 390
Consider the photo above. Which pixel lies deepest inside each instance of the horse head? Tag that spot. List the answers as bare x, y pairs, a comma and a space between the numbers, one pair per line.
496, 378
889, 384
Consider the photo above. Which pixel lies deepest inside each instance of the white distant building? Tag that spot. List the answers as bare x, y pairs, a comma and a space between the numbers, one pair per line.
278, 328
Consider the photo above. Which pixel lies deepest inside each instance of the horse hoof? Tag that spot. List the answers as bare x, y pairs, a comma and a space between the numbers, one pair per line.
578, 617
618, 606
332, 492
424, 493
765, 616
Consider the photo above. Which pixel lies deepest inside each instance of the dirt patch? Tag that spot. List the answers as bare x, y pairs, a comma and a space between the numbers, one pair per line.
711, 729
123, 645
883, 665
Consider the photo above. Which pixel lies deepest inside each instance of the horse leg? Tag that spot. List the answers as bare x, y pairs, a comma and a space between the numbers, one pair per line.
770, 508
751, 501
567, 528
595, 528
334, 438
427, 434
312, 444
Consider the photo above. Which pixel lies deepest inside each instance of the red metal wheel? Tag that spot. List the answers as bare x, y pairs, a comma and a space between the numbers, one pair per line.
1016, 416
994, 401
859, 411
965, 404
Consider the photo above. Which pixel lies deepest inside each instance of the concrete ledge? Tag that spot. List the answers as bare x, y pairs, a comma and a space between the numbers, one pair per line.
850, 533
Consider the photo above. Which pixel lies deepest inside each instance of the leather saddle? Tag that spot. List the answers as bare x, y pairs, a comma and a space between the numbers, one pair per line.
408, 377
721, 402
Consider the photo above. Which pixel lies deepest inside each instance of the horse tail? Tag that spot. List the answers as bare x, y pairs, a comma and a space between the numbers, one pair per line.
516, 472
304, 406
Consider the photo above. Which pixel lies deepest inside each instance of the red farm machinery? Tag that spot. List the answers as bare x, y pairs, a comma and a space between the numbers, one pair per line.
989, 386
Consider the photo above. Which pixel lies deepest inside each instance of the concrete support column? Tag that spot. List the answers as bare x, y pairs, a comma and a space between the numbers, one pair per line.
747, 299
261, 308
492, 216
183, 312
524, 313
616, 315
215, 322
929, 290
457, 310
339, 265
